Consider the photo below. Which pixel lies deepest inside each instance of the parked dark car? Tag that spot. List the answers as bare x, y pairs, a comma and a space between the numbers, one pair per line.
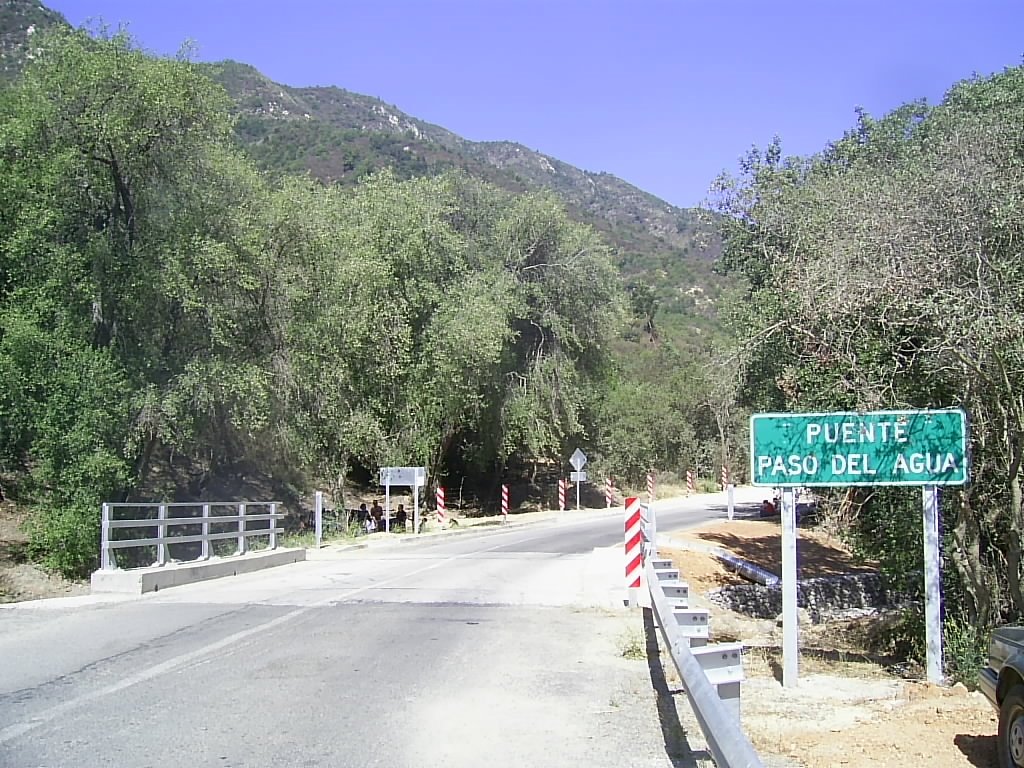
1002, 682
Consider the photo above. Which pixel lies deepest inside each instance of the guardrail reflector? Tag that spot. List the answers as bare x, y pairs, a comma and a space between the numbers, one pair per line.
692, 622
722, 662
678, 593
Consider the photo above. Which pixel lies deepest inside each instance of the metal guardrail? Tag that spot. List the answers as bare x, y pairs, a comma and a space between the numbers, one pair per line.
205, 521
711, 674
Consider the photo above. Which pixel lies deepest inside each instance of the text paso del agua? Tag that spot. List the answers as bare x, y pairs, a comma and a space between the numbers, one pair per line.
858, 464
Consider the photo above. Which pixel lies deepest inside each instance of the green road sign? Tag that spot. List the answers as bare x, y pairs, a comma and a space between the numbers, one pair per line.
848, 448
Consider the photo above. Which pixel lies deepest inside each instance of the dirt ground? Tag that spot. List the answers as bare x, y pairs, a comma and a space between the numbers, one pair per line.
19, 579
851, 707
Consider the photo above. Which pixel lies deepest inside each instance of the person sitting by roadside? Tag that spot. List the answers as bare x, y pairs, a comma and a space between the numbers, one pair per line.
401, 516
377, 513
362, 514
767, 508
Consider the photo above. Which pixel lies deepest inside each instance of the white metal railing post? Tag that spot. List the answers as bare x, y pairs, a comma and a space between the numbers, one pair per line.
652, 525
105, 538
161, 536
241, 529
318, 517
206, 531
273, 525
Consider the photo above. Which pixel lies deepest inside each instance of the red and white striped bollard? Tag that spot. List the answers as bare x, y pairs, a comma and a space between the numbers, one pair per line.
440, 506
634, 544
725, 477
650, 487
504, 504
562, 482
609, 492
690, 487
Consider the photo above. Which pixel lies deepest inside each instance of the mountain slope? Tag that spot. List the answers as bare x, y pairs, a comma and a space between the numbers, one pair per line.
340, 136
19, 21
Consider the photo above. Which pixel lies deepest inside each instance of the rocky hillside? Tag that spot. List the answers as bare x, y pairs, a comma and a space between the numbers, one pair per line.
600, 194
19, 21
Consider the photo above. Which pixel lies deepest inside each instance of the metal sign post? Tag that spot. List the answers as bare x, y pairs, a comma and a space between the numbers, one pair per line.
651, 526
731, 496
318, 517
578, 461
415, 509
387, 506
790, 619
926, 448
932, 583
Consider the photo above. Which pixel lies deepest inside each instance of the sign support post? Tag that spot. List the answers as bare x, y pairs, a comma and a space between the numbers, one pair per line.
731, 496
790, 647
932, 583
318, 517
578, 461
387, 505
416, 509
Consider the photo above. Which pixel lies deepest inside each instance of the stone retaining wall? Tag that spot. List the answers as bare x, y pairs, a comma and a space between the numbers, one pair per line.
820, 597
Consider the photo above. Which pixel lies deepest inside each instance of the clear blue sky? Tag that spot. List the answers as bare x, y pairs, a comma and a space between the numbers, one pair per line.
664, 93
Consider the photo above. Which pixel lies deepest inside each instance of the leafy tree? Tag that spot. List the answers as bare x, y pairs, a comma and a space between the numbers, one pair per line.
122, 257
886, 272
168, 311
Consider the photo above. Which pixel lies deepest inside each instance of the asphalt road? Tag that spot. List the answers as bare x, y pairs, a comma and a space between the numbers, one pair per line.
498, 649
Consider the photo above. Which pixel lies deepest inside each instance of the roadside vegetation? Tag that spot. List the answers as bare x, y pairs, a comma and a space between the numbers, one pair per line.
886, 271
176, 321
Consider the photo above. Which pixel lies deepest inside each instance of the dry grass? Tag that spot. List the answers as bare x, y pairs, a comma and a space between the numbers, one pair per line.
759, 541
766, 661
633, 644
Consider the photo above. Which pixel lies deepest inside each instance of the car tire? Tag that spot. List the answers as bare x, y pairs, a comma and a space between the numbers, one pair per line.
1010, 744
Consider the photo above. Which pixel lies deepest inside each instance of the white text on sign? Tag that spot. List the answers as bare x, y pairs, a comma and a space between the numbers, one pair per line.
856, 464
865, 432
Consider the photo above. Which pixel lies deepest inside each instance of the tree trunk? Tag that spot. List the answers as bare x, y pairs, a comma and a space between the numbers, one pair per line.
966, 557
1013, 548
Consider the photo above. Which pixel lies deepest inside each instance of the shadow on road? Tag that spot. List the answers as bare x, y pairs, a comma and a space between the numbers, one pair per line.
676, 746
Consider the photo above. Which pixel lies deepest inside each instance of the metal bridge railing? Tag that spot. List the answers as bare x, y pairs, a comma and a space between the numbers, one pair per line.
711, 674
208, 521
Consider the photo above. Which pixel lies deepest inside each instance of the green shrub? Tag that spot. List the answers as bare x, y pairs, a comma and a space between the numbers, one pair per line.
66, 539
966, 650
706, 485
902, 636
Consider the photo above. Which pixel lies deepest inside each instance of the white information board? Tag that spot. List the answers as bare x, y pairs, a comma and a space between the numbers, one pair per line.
410, 476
